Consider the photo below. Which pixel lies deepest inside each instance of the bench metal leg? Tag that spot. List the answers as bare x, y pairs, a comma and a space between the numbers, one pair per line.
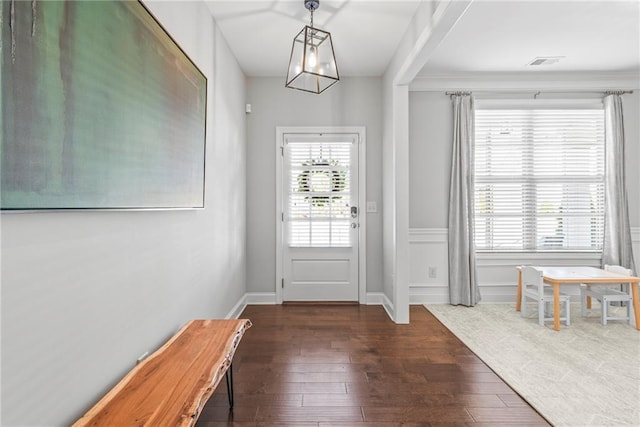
229, 377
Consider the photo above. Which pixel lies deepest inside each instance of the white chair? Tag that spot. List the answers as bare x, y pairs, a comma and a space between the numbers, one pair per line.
533, 287
606, 295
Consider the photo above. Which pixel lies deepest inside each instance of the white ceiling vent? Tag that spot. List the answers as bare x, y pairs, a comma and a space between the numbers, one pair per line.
545, 60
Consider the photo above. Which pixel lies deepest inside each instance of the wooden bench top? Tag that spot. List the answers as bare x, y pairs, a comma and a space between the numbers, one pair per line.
171, 386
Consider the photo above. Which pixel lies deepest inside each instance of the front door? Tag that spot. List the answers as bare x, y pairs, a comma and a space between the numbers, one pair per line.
320, 216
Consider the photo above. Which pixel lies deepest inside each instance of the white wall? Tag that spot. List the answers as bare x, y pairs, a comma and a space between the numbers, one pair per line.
430, 139
394, 167
351, 102
429, 26
631, 107
84, 294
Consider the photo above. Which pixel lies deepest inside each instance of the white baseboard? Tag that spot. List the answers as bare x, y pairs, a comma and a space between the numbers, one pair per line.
269, 298
428, 294
372, 298
379, 298
493, 293
261, 298
375, 298
265, 298
238, 308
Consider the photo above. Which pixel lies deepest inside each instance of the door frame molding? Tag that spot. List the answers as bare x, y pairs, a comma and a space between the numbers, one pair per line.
281, 131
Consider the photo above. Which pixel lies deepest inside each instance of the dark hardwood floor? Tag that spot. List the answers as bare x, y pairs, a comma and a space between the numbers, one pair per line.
324, 365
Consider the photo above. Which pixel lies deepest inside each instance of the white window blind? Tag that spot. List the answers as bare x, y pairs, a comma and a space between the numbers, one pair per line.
539, 179
319, 194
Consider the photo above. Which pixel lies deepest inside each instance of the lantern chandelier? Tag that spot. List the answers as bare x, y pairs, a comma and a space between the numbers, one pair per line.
312, 65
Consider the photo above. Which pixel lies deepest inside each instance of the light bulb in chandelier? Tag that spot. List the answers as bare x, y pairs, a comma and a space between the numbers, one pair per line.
312, 61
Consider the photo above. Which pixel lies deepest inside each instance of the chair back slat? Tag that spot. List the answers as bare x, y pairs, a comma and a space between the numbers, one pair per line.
618, 269
532, 278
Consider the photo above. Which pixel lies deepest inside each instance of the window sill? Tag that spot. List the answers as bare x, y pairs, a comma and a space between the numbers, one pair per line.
548, 258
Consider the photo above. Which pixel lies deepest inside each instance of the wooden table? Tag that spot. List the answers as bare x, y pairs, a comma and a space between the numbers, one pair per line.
557, 276
171, 386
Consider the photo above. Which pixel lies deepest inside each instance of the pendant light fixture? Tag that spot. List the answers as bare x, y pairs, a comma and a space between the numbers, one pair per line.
312, 65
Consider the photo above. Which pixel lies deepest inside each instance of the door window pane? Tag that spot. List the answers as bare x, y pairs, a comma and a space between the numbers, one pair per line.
319, 194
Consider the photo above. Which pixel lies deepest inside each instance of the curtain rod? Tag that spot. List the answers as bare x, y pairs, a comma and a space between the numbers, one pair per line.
537, 93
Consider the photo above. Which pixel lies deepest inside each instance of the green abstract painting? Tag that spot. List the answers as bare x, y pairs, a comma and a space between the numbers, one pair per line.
100, 110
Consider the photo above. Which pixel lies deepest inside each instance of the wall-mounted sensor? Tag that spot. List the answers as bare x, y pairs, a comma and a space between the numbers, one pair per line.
247, 108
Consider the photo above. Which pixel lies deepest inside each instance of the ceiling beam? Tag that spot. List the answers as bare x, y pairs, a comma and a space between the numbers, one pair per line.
431, 35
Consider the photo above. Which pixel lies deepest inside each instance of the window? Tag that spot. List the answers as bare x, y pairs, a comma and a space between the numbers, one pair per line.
539, 177
319, 193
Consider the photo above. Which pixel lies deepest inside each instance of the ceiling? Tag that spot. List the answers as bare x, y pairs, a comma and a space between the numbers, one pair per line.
491, 36
501, 36
365, 34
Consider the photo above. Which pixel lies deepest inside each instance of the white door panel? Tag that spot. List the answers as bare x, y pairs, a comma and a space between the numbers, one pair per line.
320, 217
331, 270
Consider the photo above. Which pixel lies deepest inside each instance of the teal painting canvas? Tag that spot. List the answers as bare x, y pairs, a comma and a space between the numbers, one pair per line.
101, 109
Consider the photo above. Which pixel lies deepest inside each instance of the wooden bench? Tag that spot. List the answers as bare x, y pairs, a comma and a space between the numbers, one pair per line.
171, 386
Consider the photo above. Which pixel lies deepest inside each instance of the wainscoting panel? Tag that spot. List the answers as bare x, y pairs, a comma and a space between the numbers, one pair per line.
428, 267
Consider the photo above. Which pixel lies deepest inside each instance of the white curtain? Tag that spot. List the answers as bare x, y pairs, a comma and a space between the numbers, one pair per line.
617, 248
463, 282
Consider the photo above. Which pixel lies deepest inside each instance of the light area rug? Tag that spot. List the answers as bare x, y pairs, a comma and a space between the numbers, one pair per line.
585, 374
